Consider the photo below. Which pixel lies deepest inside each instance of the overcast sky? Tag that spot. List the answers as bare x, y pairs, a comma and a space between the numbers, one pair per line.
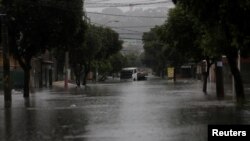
129, 28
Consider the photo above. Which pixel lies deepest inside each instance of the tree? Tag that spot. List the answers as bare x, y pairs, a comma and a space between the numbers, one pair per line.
117, 61
231, 20
35, 26
95, 50
90, 49
76, 52
172, 39
154, 50
186, 39
110, 43
110, 46
180, 32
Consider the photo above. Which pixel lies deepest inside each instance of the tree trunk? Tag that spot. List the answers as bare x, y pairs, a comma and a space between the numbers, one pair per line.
174, 79
84, 82
66, 69
77, 72
205, 76
26, 88
219, 80
26, 66
84, 75
6, 62
86, 71
239, 88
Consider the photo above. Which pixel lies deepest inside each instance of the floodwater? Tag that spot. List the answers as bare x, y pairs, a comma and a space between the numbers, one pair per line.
153, 110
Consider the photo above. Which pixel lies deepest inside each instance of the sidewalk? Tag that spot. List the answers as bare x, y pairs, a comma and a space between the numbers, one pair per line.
61, 84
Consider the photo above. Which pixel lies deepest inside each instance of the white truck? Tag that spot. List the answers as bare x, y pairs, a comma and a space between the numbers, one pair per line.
129, 74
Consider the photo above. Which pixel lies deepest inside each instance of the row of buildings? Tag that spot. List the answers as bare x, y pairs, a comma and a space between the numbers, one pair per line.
43, 72
197, 70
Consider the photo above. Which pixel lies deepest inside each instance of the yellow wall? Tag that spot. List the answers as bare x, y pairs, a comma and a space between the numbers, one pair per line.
13, 62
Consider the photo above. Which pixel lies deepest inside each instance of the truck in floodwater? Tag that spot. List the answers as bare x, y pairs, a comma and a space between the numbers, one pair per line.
133, 73
129, 74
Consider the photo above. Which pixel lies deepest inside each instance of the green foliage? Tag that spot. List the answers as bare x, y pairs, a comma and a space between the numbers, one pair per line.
100, 43
110, 43
107, 55
117, 61
96, 48
154, 50
226, 24
174, 43
104, 67
132, 60
228, 17
38, 25
181, 34
76, 50
93, 43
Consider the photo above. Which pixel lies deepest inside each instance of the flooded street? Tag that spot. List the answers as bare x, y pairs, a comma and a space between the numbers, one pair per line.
106, 43
153, 110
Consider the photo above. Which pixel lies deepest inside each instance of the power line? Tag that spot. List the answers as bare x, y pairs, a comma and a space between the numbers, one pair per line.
130, 33
101, 5
100, 1
131, 39
138, 3
131, 26
97, 13
128, 30
118, 28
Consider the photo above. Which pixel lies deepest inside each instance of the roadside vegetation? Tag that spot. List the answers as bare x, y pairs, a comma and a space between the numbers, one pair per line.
201, 30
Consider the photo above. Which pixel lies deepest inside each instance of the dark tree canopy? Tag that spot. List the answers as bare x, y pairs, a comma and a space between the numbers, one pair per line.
110, 43
37, 25
181, 32
154, 51
231, 17
228, 20
98, 49
174, 43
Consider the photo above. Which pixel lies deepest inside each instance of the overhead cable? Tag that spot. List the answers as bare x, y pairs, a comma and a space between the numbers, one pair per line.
90, 5
98, 13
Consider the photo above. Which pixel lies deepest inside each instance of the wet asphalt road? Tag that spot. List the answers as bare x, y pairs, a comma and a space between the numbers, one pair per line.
153, 110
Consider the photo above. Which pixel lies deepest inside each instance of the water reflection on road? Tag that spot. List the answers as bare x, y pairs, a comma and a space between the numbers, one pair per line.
125, 111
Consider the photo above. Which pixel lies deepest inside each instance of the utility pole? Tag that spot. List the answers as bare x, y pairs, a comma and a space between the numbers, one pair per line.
233, 81
6, 62
219, 79
66, 69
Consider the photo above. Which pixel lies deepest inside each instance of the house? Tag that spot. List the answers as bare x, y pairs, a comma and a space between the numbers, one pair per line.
227, 75
42, 72
16, 72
